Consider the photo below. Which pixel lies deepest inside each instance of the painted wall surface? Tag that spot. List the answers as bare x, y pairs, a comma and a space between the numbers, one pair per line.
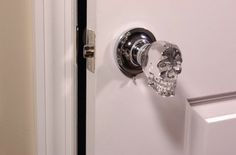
17, 121
130, 119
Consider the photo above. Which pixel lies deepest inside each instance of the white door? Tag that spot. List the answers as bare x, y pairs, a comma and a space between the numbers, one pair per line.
126, 117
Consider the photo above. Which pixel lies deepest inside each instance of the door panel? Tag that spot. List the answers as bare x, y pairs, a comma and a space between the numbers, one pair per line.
130, 119
210, 128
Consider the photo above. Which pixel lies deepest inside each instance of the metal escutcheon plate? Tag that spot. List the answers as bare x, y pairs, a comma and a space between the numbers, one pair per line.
123, 51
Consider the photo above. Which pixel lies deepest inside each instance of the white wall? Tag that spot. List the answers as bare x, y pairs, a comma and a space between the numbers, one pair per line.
17, 113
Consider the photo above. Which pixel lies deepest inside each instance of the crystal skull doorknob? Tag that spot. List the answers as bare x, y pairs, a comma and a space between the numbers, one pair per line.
138, 51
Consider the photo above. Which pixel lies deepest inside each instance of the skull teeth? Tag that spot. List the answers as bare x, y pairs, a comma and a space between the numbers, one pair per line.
163, 87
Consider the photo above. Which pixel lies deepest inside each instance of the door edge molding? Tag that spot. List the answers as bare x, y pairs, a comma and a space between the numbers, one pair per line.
212, 98
55, 76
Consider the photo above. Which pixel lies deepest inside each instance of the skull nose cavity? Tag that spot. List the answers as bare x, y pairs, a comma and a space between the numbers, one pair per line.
177, 69
171, 74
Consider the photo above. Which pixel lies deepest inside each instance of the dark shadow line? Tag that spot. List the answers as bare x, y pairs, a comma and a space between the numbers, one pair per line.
81, 76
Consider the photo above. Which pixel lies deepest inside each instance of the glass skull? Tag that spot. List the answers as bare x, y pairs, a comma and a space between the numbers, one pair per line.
138, 51
161, 63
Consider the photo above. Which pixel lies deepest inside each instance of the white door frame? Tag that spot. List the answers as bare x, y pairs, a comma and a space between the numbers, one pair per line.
55, 75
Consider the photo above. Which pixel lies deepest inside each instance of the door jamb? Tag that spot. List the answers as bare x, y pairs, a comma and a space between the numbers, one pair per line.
55, 76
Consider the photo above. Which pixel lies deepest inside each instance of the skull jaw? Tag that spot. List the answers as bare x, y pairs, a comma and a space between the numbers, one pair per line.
164, 87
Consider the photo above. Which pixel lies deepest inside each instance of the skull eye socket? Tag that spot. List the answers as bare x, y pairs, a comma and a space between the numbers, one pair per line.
164, 65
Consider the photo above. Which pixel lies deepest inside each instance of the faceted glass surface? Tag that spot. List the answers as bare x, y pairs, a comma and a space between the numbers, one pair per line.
161, 63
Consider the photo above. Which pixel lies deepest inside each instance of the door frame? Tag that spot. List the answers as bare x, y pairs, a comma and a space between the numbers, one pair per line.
55, 76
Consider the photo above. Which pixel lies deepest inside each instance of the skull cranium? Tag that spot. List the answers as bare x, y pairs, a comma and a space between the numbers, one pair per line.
170, 64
